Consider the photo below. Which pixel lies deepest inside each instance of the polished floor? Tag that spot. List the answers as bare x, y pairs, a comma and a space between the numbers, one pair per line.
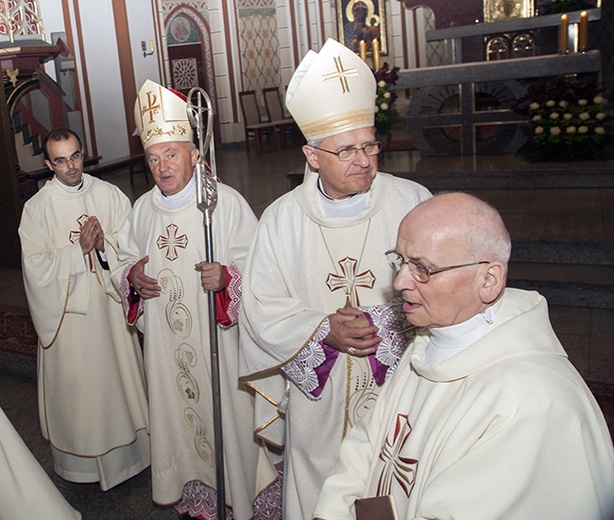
576, 216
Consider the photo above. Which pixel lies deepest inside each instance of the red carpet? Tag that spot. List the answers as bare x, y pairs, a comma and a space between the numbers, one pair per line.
17, 334
18, 342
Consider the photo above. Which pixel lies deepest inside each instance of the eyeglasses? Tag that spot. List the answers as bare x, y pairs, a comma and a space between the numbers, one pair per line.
63, 161
347, 154
418, 270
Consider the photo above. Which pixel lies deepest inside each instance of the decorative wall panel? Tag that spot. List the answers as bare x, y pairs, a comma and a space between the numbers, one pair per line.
259, 42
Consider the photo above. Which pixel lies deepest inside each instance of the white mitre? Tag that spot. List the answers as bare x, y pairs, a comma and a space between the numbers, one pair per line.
331, 92
161, 115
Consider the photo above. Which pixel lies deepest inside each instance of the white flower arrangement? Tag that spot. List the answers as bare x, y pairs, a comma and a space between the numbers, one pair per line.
566, 121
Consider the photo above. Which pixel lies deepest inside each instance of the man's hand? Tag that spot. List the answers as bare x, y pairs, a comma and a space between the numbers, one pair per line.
145, 286
91, 236
212, 275
351, 333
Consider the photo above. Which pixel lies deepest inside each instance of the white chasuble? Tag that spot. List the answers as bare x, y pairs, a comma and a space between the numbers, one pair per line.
301, 268
177, 348
26, 491
91, 387
504, 429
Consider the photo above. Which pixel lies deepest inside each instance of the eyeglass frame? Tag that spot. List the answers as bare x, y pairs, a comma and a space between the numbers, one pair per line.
355, 149
75, 157
428, 270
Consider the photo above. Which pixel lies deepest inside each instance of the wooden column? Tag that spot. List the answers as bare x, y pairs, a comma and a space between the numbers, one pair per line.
10, 206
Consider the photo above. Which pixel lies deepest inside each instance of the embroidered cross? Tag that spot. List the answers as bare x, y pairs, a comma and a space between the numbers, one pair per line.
74, 235
402, 469
171, 241
153, 107
341, 74
349, 280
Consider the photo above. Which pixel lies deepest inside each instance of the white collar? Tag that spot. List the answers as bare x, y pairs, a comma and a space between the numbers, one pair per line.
448, 341
180, 199
347, 207
73, 189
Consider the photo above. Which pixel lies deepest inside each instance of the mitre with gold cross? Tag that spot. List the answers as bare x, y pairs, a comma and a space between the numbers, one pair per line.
331, 92
161, 115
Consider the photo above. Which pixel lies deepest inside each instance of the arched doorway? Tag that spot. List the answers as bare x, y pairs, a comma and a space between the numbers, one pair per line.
188, 40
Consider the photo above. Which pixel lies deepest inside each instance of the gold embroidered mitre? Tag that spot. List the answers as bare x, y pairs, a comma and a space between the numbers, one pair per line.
331, 92
161, 115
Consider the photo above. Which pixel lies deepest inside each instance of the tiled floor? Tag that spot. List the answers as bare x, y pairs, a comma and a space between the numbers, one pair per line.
575, 216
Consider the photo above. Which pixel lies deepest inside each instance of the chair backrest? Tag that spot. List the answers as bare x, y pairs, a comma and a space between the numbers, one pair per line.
272, 100
249, 107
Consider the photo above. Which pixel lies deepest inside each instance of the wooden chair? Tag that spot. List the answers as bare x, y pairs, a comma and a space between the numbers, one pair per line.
275, 111
254, 125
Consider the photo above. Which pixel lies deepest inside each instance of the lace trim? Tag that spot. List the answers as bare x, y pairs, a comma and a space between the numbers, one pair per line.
394, 329
310, 368
234, 290
302, 369
125, 289
200, 501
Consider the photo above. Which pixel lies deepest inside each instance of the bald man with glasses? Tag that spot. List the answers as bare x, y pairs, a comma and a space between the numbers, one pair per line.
91, 384
485, 417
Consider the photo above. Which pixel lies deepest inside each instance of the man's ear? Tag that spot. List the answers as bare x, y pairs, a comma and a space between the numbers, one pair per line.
493, 282
194, 156
49, 165
312, 157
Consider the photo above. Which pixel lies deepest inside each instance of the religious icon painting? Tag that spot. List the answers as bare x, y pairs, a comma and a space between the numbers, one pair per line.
362, 20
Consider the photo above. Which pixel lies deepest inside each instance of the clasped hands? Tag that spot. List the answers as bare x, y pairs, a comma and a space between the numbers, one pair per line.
212, 278
350, 332
91, 235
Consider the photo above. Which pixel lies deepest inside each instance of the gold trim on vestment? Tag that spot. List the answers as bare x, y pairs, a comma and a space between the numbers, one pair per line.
57, 331
125, 445
268, 423
95, 269
260, 392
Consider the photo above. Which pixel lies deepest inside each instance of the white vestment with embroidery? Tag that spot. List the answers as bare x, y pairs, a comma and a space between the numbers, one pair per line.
177, 347
299, 268
91, 386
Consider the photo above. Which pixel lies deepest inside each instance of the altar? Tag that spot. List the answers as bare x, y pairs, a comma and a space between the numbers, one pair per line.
470, 106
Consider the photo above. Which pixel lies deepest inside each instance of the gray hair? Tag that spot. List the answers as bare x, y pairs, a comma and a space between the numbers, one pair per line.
316, 142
